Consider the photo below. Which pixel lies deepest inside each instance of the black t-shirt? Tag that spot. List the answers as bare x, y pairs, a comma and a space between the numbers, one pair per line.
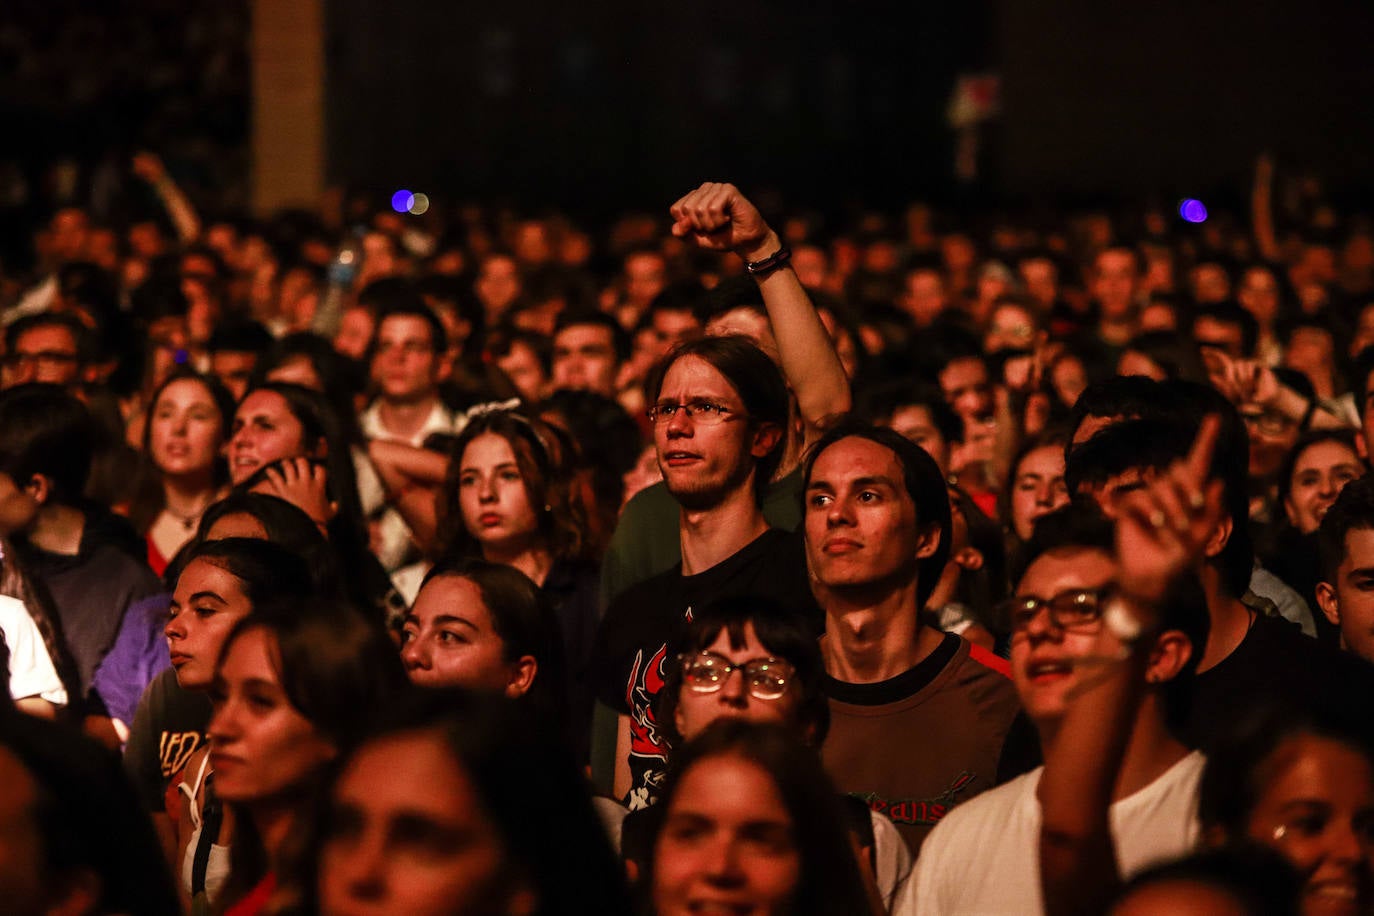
572, 591
1277, 667
632, 644
168, 728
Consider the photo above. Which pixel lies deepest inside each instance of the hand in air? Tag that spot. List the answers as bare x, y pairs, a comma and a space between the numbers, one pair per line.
718, 217
149, 167
1163, 528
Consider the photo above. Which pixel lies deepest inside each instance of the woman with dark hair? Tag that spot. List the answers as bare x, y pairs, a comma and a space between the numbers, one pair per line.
781, 677
451, 806
182, 470
271, 518
506, 500
484, 626
749, 820
1312, 476
288, 442
294, 684
311, 361
1035, 487
1305, 788
217, 584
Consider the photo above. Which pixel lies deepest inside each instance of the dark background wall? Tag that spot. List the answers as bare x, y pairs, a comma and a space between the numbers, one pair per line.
1182, 94
628, 103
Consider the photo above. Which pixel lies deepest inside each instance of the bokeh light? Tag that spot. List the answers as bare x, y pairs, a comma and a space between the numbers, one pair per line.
402, 201
419, 204
1192, 210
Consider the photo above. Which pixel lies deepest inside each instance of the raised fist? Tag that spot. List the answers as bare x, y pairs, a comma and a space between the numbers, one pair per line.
718, 217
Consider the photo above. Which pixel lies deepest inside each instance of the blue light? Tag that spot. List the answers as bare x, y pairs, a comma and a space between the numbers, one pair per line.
402, 201
1192, 210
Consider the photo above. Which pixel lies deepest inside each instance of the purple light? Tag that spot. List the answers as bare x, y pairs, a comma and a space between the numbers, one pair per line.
402, 201
1192, 211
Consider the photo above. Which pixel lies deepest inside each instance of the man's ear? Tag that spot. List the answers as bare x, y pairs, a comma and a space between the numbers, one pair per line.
970, 559
766, 438
39, 489
1326, 600
1220, 537
927, 541
522, 675
1169, 656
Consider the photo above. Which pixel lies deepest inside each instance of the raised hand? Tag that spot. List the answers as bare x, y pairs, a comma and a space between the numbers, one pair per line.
718, 217
1163, 528
149, 167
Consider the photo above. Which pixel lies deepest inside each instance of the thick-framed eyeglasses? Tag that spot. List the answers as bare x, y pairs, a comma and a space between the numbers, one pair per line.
43, 360
765, 678
1074, 609
702, 413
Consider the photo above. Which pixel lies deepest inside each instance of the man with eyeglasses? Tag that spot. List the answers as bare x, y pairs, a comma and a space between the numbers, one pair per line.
719, 408
1253, 656
920, 719
1077, 640
47, 347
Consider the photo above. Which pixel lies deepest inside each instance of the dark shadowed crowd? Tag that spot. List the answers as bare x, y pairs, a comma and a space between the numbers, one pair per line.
721, 559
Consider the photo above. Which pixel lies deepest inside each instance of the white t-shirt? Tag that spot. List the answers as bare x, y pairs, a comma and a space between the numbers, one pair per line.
31, 669
984, 857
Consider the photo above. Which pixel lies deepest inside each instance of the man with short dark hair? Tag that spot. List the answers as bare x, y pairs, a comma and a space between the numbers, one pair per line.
51, 347
919, 718
235, 348
407, 359
407, 356
87, 561
588, 351
1115, 284
1071, 641
1346, 590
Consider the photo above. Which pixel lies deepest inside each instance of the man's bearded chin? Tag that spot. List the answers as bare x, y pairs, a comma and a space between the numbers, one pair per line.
698, 496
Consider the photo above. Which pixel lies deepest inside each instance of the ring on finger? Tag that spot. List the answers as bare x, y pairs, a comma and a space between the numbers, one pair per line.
1158, 519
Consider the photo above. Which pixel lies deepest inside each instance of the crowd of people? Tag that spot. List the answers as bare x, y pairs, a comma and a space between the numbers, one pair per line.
724, 562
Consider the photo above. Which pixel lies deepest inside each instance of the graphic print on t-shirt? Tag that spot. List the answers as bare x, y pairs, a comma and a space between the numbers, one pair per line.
175, 748
924, 811
648, 751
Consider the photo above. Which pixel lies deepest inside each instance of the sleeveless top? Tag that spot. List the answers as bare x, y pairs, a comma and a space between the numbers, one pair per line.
217, 862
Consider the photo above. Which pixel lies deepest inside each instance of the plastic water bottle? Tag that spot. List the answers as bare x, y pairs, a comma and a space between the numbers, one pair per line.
339, 277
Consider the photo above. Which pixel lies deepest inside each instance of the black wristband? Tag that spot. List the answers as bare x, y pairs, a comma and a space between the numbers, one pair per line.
769, 264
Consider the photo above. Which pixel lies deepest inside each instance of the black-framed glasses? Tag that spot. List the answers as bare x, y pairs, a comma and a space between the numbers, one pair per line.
44, 359
703, 413
1074, 609
765, 678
